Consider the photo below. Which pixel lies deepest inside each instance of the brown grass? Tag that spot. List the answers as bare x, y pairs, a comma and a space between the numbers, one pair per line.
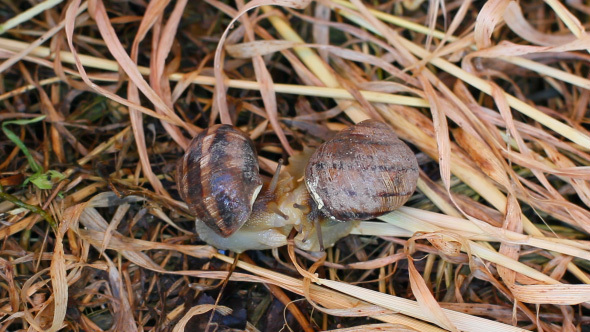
492, 96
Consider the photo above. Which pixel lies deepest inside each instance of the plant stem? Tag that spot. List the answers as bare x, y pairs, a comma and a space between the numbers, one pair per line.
28, 14
35, 209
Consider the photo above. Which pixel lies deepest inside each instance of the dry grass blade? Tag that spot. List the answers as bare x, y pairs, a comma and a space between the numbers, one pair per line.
567, 17
345, 305
117, 50
426, 301
266, 89
565, 130
198, 310
515, 19
462, 321
490, 15
59, 282
376, 328
219, 101
124, 320
28, 14
46, 36
317, 91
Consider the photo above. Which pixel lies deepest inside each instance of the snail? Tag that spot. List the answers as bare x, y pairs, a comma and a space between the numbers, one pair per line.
363, 172
218, 178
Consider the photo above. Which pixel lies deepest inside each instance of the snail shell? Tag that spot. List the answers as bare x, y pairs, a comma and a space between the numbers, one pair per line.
218, 177
363, 172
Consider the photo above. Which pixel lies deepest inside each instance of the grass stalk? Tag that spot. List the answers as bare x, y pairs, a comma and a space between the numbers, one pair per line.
28, 14
316, 91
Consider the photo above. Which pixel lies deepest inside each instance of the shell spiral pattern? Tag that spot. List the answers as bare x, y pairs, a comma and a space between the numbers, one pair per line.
363, 172
218, 177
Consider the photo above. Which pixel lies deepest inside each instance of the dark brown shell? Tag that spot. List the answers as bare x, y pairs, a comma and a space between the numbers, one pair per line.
363, 172
218, 178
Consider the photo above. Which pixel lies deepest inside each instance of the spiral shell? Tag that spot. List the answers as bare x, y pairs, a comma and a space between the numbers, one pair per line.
218, 177
363, 172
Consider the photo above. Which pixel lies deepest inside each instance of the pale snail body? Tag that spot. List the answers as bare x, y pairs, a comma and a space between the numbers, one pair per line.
267, 229
354, 176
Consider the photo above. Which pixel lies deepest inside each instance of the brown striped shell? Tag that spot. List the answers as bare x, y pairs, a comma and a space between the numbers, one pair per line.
363, 172
218, 177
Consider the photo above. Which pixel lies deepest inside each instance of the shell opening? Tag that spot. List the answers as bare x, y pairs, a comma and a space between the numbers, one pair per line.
255, 195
